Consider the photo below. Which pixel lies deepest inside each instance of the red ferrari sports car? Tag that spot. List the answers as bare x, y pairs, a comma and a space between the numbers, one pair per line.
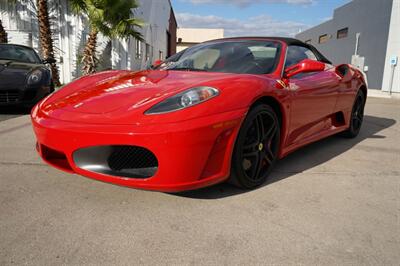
222, 110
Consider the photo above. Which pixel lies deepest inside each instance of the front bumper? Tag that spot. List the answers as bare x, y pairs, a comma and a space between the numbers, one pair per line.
190, 154
23, 96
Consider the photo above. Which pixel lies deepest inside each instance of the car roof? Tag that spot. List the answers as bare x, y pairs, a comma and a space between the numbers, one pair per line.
287, 40
18, 45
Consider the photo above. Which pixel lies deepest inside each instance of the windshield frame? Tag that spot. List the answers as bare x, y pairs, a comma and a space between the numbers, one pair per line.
176, 57
38, 59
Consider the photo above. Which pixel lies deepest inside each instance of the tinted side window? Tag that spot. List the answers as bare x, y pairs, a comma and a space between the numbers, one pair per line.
296, 54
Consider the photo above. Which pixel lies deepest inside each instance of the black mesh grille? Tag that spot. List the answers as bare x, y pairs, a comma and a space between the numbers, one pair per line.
131, 157
9, 96
29, 95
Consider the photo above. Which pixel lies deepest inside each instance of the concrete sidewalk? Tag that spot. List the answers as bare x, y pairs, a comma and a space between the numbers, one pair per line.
335, 202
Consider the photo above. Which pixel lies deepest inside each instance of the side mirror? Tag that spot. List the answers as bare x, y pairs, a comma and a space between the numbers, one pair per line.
157, 63
49, 61
305, 66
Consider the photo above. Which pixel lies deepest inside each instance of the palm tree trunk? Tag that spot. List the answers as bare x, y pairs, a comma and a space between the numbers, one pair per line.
89, 59
3, 34
46, 40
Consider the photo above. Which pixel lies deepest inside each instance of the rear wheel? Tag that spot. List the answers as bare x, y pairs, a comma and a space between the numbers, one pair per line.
357, 117
256, 148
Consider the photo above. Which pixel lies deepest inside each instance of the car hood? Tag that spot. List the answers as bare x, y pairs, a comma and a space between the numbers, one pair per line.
104, 93
113, 95
13, 74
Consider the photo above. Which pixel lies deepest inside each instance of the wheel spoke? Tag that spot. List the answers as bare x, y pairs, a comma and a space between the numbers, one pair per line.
250, 154
358, 105
360, 116
250, 149
271, 132
255, 172
259, 128
356, 122
269, 156
360, 113
251, 146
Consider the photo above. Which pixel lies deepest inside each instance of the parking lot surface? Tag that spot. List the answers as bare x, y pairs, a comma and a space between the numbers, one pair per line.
334, 202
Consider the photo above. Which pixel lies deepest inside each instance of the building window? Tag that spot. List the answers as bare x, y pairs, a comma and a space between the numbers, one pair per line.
308, 41
342, 33
148, 51
138, 49
323, 38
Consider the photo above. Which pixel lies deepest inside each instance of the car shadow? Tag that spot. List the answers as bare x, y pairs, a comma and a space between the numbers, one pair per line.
9, 112
303, 159
14, 110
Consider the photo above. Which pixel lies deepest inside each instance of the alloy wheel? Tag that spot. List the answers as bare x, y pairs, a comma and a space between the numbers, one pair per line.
259, 150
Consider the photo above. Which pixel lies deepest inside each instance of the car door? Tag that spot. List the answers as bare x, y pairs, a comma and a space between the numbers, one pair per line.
313, 97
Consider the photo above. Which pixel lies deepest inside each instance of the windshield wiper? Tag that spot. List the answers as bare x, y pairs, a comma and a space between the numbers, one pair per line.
188, 69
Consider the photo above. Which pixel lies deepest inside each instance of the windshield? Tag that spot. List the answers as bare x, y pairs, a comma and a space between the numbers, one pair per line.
242, 57
18, 53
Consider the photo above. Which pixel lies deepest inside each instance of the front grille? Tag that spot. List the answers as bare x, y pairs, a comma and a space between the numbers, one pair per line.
29, 95
117, 160
9, 96
131, 157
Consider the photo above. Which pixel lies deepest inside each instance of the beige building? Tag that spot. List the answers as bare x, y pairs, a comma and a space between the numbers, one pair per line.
187, 37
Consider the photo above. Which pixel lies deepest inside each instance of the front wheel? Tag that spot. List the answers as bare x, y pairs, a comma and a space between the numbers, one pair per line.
357, 117
256, 149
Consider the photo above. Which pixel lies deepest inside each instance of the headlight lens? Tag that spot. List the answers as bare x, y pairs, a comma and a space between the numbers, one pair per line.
35, 77
183, 100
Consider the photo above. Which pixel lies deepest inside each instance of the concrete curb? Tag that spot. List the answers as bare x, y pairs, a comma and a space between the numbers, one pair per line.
383, 94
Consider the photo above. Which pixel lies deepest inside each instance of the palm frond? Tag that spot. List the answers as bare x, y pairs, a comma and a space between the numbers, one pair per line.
78, 6
111, 18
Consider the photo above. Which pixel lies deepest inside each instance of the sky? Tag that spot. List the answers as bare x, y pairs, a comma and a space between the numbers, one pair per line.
254, 17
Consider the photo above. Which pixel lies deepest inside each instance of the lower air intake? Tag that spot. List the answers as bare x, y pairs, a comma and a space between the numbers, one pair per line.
131, 157
117, 160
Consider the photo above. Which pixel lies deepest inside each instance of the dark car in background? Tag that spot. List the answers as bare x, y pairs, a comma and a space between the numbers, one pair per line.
24, 77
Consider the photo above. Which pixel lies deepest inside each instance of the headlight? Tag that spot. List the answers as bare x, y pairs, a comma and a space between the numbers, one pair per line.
184, 99
35, 77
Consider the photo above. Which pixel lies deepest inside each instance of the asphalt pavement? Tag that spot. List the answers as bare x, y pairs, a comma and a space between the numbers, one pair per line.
335, 202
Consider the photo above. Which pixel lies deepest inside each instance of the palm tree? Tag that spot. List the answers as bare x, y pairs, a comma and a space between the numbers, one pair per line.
3, 33
111, 18
46, 38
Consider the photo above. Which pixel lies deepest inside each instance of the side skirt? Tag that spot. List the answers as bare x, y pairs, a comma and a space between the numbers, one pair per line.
313, 138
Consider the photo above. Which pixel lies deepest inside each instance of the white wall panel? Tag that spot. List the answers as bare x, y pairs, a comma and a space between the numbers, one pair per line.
393, 49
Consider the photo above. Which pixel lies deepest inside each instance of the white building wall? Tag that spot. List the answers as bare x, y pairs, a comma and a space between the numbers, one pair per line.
393, 49
155, 15
70, 33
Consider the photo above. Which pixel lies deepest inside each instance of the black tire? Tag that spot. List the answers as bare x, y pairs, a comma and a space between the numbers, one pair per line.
256, 148
357, 117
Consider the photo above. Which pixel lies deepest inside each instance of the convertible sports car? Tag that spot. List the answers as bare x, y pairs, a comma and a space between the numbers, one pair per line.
24, 78
222, 110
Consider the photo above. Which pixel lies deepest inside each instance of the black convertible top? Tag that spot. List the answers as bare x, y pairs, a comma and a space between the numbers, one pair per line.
288, 41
